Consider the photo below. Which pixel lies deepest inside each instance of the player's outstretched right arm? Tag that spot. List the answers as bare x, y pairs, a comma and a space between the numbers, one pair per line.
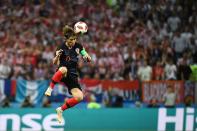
56, 59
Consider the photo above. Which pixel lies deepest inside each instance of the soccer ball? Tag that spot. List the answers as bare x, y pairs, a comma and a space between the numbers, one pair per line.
80, 27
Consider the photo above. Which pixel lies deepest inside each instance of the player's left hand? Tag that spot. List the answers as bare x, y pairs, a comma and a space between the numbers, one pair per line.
87, 58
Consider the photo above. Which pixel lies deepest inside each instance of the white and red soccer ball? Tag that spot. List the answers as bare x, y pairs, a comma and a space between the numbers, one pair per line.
80, 27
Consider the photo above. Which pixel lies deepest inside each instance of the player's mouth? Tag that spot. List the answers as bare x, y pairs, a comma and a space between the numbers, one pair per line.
70, 44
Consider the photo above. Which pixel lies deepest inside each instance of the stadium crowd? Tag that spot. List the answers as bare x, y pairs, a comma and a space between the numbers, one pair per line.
127, 39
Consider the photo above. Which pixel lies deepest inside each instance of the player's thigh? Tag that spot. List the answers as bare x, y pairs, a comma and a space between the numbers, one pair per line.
73, 86
77, 93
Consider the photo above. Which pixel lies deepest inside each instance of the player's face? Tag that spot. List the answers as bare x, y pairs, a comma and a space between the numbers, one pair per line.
71, 41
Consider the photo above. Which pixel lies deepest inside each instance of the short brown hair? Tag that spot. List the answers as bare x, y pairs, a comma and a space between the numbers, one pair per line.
68, 31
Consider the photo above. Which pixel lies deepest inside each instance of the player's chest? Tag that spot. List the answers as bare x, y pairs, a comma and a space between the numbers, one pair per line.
71, 52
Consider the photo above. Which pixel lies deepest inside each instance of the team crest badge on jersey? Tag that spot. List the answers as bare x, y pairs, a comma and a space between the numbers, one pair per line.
77, 50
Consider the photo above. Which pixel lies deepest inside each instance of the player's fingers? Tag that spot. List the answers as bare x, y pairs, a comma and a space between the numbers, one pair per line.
58, 53
89, 59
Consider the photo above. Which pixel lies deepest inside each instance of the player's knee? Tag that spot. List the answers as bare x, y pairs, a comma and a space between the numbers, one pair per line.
79, 97
63, 70
77, 94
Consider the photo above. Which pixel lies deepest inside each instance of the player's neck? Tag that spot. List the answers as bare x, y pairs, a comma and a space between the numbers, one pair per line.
69, 47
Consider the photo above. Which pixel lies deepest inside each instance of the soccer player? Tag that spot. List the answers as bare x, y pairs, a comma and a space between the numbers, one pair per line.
67, 60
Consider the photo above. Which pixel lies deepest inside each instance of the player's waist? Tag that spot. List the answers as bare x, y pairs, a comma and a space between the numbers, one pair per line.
70, 67
69, 64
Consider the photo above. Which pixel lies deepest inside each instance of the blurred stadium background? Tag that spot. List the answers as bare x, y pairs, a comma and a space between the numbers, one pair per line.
144, 71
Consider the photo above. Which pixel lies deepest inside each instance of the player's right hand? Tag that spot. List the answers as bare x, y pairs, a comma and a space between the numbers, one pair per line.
59, 52
87, 58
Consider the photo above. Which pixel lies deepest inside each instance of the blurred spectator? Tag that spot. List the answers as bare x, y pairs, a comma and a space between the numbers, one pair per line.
169, 97
107, 97
170, 70
188, 100
193, 76
92, 104
179, 44
174, 21
6, 102
46, 102
117, 101
112, 98
144, 71
27, 102
2, 95
184, 70
47, 54
153, 102
128, 30
5, 69
158, 71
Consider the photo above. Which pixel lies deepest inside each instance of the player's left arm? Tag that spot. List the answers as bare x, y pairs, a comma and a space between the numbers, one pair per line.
83, 52
85, 55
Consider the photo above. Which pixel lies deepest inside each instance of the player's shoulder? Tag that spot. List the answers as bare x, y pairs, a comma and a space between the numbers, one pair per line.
78, 45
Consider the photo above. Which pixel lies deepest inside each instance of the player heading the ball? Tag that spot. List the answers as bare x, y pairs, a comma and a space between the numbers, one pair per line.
66, 58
